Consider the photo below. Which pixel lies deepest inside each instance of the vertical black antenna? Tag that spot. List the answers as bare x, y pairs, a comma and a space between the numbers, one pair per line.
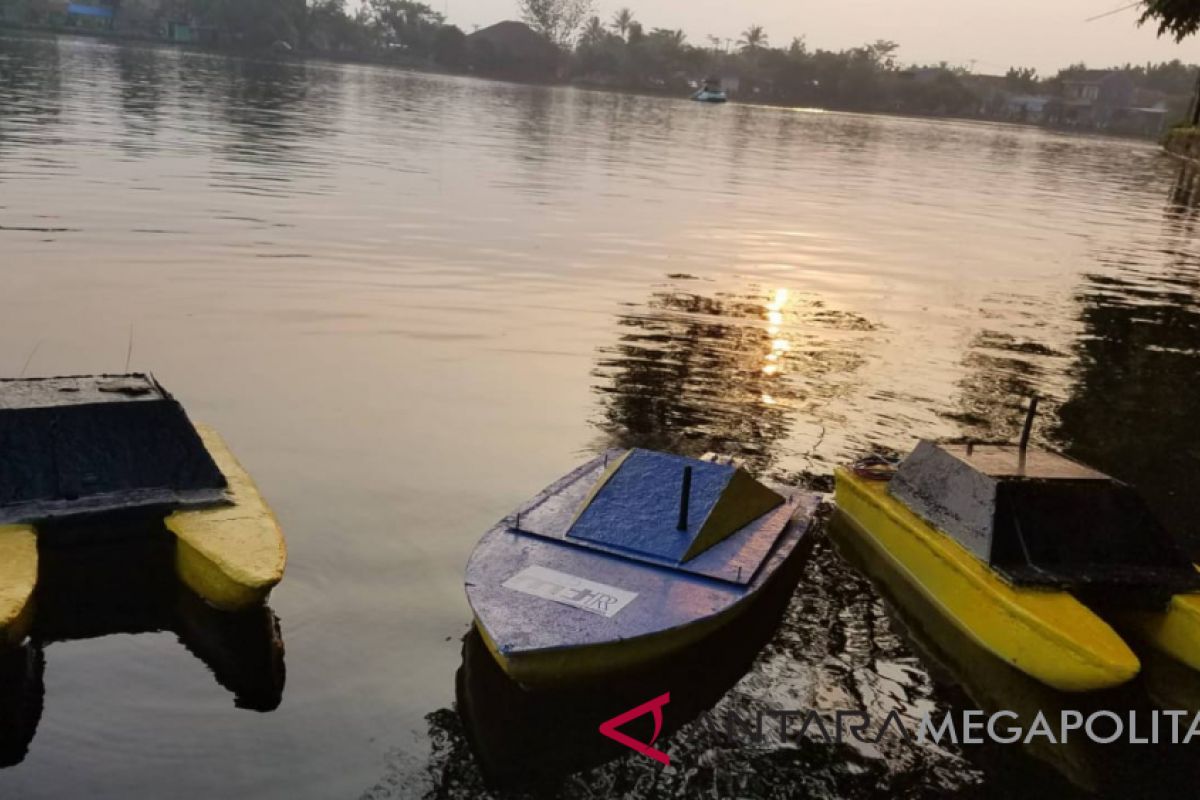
129, 350
683, 498
1028, 429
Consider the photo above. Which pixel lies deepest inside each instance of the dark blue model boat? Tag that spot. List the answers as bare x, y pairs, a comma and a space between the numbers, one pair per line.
625, 560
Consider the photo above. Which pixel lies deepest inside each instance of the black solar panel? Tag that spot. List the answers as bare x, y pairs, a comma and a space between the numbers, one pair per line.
98, 444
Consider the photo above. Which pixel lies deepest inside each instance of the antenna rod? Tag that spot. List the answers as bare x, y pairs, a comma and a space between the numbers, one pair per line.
129, 351
1028, 429
683, 498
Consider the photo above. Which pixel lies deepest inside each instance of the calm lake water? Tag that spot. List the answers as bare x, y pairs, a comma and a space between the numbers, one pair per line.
410, 301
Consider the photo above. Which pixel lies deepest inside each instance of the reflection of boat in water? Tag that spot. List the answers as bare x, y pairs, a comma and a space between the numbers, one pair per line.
1028, 553
995, 686
524, 737
625, 560
991, 683
127, 586
116, 447
22, 689
1169, 683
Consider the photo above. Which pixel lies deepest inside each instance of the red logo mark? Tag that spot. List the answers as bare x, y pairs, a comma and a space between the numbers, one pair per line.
654, 707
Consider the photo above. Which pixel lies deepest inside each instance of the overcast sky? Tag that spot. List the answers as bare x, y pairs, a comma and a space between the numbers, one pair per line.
1046, 34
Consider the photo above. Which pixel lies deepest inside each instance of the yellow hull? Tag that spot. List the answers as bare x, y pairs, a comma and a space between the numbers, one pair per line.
232, 556
1175, 631
18, 577
1048, 635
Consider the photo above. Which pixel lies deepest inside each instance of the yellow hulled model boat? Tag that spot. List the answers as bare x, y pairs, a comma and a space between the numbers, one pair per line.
1032, 556
91, 449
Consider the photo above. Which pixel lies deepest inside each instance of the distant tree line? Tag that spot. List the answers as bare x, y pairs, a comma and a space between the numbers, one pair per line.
623, 53
402, 29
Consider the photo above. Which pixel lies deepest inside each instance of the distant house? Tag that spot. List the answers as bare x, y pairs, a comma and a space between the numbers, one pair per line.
1026, 107
513, 49
1149, 98
1108, 100
1092, 97
95, 14
1147, 115
992, 91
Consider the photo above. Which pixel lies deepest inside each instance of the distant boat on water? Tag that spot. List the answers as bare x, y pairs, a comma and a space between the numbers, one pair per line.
710, 96
711, 92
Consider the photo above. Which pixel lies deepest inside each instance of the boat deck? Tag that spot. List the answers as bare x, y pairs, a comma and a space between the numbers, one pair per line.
534, 592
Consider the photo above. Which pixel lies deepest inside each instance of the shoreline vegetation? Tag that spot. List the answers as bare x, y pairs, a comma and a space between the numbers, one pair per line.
1184, 142
561, 43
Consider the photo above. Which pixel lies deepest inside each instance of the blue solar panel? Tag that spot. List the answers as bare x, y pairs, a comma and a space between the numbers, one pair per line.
638, 508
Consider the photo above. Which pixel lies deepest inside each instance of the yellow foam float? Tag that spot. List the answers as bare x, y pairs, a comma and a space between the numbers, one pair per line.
231, 555
83, 452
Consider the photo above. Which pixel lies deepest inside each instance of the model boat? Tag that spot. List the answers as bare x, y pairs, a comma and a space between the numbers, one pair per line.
95, 449
710, 94
500, 717
1034, 556
626, 560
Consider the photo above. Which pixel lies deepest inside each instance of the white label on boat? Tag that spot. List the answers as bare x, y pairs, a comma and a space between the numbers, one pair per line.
571, 590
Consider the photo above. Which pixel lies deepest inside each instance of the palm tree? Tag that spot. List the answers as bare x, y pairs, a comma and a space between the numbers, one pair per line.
672, 38
754, 38
622, 21
593, 33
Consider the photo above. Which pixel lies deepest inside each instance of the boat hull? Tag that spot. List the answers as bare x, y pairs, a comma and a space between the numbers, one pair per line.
18, 578
557, 668
544, 643
1175, 631
1047, 634
231, 555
